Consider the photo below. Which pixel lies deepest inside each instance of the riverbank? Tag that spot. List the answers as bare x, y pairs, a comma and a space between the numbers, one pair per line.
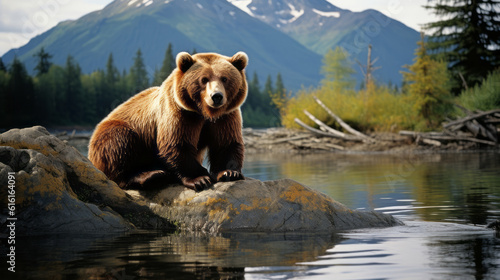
283, 140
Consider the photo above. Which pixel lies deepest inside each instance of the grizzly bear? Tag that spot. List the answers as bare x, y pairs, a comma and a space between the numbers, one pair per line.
162, 133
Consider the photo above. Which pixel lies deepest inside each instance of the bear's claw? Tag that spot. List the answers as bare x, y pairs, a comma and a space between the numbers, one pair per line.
229, 175
198, 183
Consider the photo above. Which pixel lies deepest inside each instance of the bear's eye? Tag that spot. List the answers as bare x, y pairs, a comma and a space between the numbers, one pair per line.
223, 79
204, 80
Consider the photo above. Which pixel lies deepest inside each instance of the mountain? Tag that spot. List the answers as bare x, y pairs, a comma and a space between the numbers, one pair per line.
207, 26
285, 36
320, 26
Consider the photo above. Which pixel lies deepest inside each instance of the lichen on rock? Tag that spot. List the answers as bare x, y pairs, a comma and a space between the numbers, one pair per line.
251, 205
59, 190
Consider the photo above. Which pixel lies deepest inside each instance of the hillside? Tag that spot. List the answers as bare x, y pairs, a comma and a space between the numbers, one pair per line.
320, 26
216, 26
285, 36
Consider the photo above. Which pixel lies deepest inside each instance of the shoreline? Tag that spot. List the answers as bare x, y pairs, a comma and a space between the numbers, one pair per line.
294, 141
283, 140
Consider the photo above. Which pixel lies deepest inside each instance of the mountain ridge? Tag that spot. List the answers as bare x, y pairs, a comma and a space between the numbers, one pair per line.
123, 26
320, 26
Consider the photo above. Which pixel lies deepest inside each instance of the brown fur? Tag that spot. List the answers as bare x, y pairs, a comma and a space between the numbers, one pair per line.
162, 133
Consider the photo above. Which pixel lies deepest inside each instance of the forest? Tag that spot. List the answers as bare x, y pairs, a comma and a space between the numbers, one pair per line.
456, 71
63, 96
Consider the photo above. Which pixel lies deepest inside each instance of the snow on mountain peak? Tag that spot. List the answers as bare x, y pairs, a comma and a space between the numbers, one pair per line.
327, 14
140, 3
295, 13
242, 5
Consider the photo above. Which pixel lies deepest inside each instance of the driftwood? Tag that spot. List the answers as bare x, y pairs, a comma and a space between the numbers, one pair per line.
314, 130
344, 125
285, 139
479, 127
443, 137
472, 117
326, 128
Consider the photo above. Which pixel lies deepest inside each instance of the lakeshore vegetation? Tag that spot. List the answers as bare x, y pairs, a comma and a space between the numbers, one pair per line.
455, 71
64, 96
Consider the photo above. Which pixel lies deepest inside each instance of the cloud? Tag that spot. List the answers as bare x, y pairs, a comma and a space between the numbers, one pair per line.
408, 12
21, 20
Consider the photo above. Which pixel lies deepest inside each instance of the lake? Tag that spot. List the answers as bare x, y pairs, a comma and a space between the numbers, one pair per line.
445, 201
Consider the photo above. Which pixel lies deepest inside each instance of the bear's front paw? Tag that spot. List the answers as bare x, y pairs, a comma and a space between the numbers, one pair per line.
229, 175
198, 183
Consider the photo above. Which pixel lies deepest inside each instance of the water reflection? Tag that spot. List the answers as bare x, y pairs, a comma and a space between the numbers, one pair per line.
463, 188
160, 255
424, 191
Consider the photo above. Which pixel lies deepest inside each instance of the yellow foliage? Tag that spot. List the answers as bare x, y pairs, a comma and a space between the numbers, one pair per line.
375, 108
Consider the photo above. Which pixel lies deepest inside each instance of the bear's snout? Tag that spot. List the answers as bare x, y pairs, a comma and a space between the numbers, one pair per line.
217, 98
215, 94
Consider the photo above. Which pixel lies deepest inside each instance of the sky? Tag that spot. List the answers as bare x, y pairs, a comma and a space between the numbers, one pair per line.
21, 20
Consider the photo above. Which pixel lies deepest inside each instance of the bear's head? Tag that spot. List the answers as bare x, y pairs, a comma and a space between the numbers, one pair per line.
210, 84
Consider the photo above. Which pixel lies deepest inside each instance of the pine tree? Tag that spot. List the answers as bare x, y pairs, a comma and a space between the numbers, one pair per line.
278, 98
73, 92
167, 67
279, 87
428, 88
19, 96
338, 70
255, 84
2, 66
254, 96
44, 63
467, 37
50, 96
138, 75
268, 86
112, 73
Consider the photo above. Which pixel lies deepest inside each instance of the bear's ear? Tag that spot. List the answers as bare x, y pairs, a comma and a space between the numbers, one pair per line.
184, 61
239, 60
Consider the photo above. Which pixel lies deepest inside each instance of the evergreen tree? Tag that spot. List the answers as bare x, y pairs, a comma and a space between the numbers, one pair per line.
75, 100
279, 88
428, 88
111, 95
50, 96
253, 95
19, 99
4, 79
338, 70
138, 76
2, 66
255, 84
467, 37
112, 73
44, 63
167, 67
268, 86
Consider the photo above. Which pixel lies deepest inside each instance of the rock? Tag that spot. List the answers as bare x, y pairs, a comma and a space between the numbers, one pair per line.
251, 205
59, 190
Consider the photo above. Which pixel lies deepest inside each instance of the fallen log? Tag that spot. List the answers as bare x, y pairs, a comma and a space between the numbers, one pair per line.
442, 137
472, 117
328, 129
284, 140
313, 130
342, 123
479, 130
